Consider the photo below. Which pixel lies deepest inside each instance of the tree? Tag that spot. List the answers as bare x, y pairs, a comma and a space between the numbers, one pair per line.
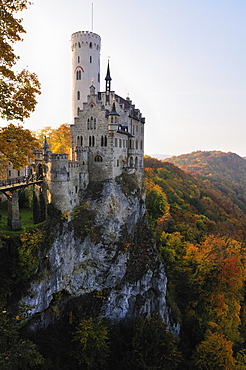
17, 90
16, 352
214, 353
59, 140
92, 347
16, 146
154, 346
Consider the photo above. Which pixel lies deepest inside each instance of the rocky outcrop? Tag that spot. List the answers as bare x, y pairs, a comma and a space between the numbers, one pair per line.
106, 249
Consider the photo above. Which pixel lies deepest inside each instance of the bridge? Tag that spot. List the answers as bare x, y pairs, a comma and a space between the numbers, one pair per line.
19, 182
10, 188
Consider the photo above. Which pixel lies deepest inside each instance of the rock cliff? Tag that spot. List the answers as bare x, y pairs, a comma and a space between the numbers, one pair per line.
103, 252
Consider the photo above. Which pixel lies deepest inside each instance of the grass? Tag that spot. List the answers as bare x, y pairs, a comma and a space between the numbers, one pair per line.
26, 218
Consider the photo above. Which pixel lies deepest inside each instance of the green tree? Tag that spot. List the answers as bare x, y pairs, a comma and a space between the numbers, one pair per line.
154, 346
16, 352
92, 346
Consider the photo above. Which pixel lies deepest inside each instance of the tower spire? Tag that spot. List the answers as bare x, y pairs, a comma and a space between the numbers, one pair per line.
108, 80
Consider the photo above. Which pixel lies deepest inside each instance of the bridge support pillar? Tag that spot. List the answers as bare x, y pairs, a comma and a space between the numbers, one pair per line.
14, 212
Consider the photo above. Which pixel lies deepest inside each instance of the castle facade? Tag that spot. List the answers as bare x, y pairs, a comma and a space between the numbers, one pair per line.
107, 133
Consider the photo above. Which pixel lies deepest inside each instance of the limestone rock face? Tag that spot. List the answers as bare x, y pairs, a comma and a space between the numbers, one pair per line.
106, 249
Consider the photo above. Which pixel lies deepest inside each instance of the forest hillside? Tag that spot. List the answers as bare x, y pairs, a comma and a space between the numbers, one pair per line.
198, 218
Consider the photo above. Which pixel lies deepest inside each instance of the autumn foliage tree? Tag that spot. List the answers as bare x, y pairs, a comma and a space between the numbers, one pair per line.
59, 139
16, 145
18, 90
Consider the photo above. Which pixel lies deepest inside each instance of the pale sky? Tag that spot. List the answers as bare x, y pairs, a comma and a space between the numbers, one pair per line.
183, 63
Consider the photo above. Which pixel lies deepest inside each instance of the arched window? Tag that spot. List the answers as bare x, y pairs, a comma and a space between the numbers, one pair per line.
91, 125
118, 162
78, 74
79, 45
104, 140
95, 123
78, 112
141, 145
78, 59
81, 140
88, 124
136, 144
131, 161
90, 59
98, 158
78, 140
89, 140
78, 95
136, 162
98, 77
93, 140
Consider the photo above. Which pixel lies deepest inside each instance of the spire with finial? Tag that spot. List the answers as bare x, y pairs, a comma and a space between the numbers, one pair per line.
108, 80
45, 146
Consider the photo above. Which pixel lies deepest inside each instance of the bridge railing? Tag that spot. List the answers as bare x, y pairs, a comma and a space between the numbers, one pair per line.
20, 180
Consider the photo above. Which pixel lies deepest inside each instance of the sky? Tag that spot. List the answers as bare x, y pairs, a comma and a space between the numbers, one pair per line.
182, 63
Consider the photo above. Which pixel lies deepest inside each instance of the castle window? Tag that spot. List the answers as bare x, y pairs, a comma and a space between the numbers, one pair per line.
90, 59
104, 140
78, 111
136, 128
120, 143
142, 130
81, 140
115, 142
98, 77
91, 140
141, 145
98, 158
91, 125
95, 123
79, 45
18, 174
88, 124
90, 45
78, 95
78, 140
118, 162
78, 59
124, 143
136, 162
136, 144
131, 161
78, 74
76, 189
133, 129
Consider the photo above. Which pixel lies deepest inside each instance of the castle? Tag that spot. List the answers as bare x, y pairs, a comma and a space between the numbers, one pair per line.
107, 133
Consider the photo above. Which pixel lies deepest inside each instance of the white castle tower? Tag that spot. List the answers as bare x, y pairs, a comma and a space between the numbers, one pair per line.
85, 67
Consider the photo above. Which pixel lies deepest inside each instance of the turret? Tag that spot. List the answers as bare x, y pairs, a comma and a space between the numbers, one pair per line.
85, 67
113, 119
